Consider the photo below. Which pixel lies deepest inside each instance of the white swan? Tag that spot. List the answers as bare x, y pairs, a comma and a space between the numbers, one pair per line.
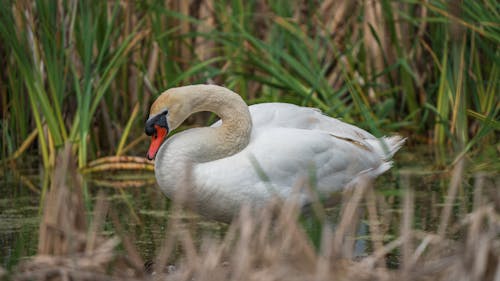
256, 152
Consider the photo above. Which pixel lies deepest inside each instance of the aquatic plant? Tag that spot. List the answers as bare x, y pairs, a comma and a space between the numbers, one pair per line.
77, 70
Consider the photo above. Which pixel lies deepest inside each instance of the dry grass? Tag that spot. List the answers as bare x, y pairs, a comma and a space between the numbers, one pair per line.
268, 244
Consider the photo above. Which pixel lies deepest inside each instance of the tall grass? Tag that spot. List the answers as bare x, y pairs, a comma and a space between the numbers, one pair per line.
76, 70
63, 58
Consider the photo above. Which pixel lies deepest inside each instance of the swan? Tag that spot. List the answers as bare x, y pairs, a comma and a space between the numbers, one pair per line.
254, 153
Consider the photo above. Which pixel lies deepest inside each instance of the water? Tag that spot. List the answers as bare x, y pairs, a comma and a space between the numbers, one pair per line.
142, 208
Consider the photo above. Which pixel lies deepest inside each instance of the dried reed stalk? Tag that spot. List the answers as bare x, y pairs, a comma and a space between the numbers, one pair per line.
456, 178
67, 248
406, 231
265, 244
205, 48
118, 163
64, 214
374, 21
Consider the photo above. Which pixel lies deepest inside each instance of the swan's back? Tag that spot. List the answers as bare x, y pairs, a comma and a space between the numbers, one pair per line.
294, 116
286, 115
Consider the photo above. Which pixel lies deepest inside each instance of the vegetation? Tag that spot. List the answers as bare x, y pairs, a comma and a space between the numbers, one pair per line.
270, 243
86, 72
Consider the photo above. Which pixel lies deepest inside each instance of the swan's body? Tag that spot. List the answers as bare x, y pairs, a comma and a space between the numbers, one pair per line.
257, 152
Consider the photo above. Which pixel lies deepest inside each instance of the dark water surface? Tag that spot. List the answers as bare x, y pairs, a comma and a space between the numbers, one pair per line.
143, 208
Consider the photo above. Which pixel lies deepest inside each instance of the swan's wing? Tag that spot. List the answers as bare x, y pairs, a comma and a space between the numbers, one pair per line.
279, 159
285, 115
293, 116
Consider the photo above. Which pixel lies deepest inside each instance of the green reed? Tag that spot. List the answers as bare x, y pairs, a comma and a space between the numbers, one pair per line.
469, 81
76, 71
66, 62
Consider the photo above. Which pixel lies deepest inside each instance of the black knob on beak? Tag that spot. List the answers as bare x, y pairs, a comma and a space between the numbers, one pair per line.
150, 129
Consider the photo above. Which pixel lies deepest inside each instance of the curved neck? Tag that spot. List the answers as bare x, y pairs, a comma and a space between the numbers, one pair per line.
234, 133
210, 143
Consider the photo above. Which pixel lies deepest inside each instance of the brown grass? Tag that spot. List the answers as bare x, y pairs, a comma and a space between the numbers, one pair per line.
268, 244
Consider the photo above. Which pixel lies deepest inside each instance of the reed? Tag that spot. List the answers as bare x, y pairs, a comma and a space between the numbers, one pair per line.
266, 244
75, 70
63, 58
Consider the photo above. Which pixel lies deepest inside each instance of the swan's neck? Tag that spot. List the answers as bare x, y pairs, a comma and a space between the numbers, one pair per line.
234, 133
179, 153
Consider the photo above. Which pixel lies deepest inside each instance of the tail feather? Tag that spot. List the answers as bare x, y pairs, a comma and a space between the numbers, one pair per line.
386, 147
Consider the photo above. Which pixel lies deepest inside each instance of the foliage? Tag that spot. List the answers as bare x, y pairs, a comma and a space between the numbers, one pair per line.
74, 70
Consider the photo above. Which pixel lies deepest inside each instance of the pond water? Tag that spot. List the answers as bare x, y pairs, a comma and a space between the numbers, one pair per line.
143, 208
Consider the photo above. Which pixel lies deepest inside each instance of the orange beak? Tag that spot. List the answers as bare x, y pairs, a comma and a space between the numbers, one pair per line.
156, 141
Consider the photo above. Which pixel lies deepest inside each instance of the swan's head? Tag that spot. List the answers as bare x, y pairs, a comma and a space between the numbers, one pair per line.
167, 112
